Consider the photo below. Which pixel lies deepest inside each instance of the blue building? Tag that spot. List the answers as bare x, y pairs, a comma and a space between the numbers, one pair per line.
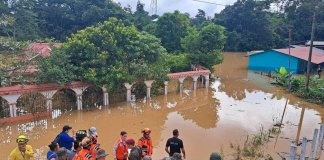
272, 60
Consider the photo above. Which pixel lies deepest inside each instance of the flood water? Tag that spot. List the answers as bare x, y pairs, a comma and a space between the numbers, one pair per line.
208, 120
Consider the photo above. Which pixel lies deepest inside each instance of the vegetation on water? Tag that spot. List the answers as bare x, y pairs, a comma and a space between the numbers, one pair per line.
315, 92
252, 147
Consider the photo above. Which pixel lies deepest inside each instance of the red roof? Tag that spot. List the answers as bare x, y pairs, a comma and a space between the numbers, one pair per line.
22, 89
303, 53
188, 74
43, 49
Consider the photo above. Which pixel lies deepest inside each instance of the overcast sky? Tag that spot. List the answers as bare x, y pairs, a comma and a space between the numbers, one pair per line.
188, 6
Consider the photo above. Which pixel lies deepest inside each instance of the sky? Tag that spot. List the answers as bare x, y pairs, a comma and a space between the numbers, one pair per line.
186, 6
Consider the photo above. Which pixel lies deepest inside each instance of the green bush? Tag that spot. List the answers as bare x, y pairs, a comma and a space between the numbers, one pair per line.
315, 92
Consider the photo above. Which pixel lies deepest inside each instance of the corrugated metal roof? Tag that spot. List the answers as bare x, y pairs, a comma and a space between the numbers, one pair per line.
301, 53
315, 43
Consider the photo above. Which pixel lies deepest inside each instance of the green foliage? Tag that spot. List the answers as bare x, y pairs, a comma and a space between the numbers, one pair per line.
249, 23
8, 45
111, 54
178, 62
314, 94
282, 76
204, 47
56, 69
171, 27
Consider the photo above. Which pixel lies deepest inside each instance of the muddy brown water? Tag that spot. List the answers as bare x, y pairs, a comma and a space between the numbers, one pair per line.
209, 120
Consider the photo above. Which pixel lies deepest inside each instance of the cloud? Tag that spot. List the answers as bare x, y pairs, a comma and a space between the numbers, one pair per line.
186, 6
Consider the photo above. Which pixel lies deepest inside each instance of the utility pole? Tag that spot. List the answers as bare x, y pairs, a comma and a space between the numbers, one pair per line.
289, 71
310, 52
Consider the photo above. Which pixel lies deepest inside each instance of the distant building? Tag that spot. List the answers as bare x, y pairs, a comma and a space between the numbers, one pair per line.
270, 60
317, 44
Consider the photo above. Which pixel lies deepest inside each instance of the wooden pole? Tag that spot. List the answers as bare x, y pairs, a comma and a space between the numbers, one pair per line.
310, 52
311, 156
300, 124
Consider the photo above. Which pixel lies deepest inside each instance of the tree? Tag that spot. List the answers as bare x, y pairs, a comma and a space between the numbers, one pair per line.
249, 20
59, 19
21, 22
199, 19
204, 47
171, 27
141, 17
110, 54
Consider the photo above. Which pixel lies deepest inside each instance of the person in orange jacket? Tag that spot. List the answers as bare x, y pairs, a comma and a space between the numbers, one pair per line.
95, 146
84, 154
120, 150
146, 142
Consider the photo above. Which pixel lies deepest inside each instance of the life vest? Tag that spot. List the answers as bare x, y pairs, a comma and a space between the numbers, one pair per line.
83, 155
94, 149
146, 145
122, 150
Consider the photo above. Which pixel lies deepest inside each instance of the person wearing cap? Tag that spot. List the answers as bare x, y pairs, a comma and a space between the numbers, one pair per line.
65, 140
146, 142
84, 154
52, 153
101, 155
95, 147
23, 151
135, 152
120, 149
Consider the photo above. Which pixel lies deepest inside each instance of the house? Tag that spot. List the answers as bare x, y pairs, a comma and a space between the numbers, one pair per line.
271, 60
317, 44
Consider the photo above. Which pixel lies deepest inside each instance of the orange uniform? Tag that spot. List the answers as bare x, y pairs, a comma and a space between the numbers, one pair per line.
83, 155
94, 149
146, 143
120, 150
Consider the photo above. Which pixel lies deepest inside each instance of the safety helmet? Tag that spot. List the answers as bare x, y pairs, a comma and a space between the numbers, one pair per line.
22, 139
85, 142
146, 130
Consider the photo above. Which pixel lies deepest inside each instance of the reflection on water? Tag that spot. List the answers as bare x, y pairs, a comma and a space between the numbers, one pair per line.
208, 119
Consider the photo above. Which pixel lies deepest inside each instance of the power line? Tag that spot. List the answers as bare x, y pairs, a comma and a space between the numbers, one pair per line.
210, 3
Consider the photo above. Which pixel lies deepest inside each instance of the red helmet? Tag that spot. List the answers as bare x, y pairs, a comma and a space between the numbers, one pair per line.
146, 130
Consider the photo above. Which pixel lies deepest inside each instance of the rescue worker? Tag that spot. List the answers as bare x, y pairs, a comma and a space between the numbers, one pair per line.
76, 149
120, 150
23, 151
95, 147
84, 154
146, 142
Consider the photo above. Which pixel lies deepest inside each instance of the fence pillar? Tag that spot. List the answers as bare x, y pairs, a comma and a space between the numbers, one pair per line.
303, 149
128, 87
194, 78
148, 84
166, 83
12, 101
181, 83
292, 154
312, 153
206, 80
49, 99
79, 101
79, 92
105, 96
